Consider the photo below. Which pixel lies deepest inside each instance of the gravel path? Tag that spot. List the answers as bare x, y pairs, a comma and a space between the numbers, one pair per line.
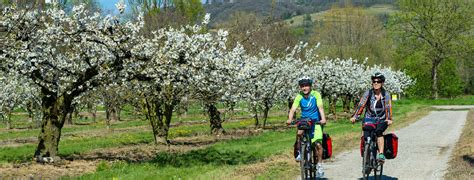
455, 107
424, 150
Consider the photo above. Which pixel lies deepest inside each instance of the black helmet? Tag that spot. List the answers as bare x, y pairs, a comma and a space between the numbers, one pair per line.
378, 75
305, 81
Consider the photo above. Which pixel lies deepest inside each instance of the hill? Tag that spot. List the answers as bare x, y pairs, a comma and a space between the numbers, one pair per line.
281, 9
380, 10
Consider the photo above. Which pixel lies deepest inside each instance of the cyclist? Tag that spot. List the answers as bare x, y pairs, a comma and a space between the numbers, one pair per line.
378, 110
311, 105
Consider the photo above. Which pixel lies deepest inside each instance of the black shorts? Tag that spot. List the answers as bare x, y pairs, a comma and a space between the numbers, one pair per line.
381, 127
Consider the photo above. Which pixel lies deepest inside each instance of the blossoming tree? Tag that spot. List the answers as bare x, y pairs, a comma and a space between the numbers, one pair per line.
65, 56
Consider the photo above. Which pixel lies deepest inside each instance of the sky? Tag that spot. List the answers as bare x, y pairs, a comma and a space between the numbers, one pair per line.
109, 5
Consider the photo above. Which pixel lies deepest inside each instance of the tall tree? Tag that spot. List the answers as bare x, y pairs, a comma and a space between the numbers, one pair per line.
164, 13
433, 30
349, 32
255, 33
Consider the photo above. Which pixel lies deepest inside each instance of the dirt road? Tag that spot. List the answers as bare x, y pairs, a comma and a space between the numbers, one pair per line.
424, 149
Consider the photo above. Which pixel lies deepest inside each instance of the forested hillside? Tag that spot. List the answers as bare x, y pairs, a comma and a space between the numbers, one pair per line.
279, 9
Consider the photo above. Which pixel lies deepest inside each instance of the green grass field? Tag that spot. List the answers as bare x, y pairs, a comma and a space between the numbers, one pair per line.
375, 10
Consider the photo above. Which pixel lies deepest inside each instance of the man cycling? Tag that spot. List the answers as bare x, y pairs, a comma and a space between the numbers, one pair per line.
311, 105
378, 110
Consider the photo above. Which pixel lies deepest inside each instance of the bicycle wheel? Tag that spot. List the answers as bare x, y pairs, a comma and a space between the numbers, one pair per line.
378, 171
314, 161
303, 159
311, 161
366, 161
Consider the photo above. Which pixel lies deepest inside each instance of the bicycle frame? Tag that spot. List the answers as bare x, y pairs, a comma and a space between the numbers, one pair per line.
369, 159
308, 153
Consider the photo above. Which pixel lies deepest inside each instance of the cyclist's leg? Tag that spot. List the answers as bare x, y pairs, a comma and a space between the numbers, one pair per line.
297, 145
318, 137
381, 127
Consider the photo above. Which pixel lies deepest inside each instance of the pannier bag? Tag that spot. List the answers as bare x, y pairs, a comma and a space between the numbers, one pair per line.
390, 146
327, 146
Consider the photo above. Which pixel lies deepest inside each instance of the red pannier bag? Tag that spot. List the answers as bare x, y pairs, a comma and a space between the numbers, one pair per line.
390, 146
327, 146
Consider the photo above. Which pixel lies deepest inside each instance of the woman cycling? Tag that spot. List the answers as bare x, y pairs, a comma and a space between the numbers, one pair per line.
311, 105
378, 110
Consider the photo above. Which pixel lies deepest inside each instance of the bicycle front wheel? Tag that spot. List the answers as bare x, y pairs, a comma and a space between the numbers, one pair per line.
378, 171
366, 162
303, 160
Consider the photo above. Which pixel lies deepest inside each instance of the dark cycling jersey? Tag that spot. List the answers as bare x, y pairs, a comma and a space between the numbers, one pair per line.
375, 110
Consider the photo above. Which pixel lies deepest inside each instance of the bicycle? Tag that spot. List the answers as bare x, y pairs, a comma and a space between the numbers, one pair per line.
308, 163
369, 158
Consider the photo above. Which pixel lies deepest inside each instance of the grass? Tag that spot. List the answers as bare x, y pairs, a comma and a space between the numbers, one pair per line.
461, 100
205, 163
73, 145
462, 160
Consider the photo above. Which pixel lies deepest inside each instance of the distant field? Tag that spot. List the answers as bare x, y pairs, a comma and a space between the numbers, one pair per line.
378, 9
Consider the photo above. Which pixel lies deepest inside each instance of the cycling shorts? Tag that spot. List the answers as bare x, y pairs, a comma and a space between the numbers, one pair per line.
379, 129
317, 134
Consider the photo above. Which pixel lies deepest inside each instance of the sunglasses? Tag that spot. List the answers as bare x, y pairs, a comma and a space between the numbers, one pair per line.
376, 82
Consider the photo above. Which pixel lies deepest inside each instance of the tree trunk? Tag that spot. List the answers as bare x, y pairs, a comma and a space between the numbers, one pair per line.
107, 114
93, 111
346, 103
434, 77
166, 126
229, 113
290, 103
68, 120
9, 121
255, 112
215, 119
265, 113
355, 101
332, 106
113, 114
54, 110
155, 115
118, 111
110, 115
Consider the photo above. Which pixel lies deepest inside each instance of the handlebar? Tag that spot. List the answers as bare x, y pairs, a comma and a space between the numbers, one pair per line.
294, 122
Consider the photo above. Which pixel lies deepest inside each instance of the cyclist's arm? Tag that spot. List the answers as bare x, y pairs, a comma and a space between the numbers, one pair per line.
388, 107
319, 102
292, 113
295, 105
323, 117
361, 105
